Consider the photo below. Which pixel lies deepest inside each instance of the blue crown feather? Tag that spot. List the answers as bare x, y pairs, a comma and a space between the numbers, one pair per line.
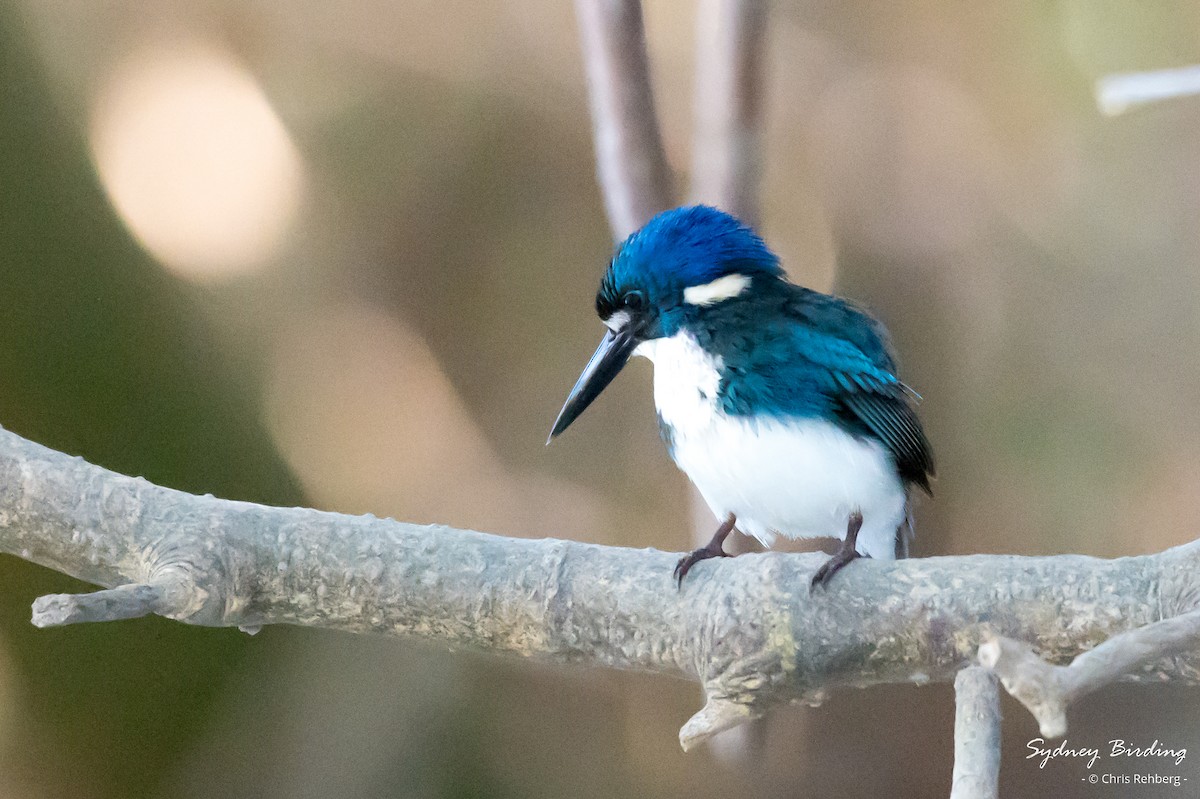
684, 247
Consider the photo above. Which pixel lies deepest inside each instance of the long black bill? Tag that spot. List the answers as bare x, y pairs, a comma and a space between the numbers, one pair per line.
610, 356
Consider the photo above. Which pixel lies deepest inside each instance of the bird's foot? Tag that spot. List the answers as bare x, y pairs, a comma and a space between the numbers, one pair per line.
847, 552
695, 556
713, 549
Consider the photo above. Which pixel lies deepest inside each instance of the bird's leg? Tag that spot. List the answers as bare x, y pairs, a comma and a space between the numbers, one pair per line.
710, 550
846, 552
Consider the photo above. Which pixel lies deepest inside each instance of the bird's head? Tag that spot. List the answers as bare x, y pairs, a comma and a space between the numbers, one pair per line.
681, 260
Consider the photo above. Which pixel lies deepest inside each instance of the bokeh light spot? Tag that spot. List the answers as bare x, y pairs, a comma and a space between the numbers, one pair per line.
196, 162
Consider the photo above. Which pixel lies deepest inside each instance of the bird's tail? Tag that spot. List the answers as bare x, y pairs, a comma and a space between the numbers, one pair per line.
905, 533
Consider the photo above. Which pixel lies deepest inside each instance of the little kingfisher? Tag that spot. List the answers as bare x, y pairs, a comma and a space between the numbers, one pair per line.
781, 404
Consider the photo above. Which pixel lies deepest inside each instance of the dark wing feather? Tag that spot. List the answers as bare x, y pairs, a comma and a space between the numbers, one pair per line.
812, 354
895, 423
852, 347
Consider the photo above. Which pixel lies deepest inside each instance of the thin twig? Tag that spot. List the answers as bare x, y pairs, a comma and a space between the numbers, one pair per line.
1119, 92
631, 163
976, 735
727, 146
1047, 690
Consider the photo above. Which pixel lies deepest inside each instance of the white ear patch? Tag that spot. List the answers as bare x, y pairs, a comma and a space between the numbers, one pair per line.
723, 288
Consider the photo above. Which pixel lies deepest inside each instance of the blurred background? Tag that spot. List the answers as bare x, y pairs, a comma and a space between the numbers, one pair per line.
344, 255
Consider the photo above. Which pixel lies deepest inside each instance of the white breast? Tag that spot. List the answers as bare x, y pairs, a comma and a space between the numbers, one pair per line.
686, 379
800, 478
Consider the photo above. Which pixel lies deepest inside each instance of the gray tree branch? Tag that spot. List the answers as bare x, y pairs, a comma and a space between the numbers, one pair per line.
976, 735
631, 163
726, 142
746, 628
1047, 690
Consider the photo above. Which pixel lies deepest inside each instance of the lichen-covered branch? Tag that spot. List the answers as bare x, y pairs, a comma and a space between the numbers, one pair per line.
746, 628
1047, 690
631, 163
976, 735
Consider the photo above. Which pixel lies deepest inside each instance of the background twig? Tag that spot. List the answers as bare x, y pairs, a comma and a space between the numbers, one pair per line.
727, 140
630, 162
1122, 91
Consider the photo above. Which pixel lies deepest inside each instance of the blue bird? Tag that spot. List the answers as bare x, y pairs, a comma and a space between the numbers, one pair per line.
781, 404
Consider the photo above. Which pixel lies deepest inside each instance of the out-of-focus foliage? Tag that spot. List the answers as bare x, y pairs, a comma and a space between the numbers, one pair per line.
344, 255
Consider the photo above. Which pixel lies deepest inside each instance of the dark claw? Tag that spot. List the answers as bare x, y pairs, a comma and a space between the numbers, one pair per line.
847, 552
831, 567
686, 563
713, 549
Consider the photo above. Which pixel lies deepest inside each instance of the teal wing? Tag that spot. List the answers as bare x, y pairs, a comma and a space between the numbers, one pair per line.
849, 350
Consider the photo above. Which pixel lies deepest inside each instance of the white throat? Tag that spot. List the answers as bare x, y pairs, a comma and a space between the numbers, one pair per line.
686, 379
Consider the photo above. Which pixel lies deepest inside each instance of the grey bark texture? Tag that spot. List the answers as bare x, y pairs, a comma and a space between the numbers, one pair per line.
746, 628
976, 735
1047, 690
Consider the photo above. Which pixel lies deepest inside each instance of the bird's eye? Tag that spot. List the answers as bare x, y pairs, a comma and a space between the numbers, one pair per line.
635, 301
